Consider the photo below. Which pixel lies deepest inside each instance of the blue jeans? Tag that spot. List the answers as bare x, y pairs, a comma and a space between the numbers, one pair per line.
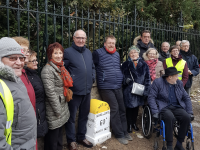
81, 102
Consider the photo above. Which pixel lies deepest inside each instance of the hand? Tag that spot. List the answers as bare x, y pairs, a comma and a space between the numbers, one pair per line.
128, 80
155, 118
189, 72
191, 117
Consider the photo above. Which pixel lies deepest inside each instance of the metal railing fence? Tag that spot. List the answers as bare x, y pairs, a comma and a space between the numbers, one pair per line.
44, 23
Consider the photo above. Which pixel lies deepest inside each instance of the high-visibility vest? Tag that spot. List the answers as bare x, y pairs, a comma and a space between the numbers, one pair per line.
179, 66
7, 98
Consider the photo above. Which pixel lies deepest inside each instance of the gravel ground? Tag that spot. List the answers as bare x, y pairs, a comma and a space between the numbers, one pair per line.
141, 143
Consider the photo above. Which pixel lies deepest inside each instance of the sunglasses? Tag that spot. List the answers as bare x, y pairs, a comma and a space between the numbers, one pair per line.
14, 58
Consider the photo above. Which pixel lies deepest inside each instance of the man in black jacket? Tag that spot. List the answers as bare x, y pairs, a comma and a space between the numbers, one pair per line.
144, 42
164, 53
78, 61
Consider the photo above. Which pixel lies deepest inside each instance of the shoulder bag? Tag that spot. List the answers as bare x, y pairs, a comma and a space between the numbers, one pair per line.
137, 88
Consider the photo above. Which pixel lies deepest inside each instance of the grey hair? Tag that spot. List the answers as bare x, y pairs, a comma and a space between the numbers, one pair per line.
165, 42
184, 41
79, 30
147, 52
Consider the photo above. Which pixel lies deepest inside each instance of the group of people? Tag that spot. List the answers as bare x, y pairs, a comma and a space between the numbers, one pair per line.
32, 107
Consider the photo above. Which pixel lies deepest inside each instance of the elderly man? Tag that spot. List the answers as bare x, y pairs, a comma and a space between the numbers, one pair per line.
18, 125
144, 42
192, 62
78, 61
168, 98
178, 44
164, 53
109, 83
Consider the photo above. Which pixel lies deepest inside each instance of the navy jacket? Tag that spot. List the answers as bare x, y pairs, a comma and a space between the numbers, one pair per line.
193, 65
141, 75
108, 71
42, 125
78, 61
143, 48
159, 93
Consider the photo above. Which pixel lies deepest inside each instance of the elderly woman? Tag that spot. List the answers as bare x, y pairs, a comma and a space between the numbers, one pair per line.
56, 80
155, 66
177, 61
42, 126
134, 69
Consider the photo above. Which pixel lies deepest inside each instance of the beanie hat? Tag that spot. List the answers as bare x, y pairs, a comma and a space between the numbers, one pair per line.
133, 48
9, 46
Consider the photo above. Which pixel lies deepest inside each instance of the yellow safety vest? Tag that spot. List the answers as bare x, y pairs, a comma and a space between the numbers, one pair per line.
7, 98
179, 66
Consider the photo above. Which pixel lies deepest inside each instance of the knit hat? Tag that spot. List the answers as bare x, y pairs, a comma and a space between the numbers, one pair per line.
133, 48
9, 46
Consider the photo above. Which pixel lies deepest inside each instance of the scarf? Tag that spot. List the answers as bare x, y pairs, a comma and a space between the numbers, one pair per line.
135, 62
111, 52
67, 79
176, 59
152, 67
188, 53
165, 55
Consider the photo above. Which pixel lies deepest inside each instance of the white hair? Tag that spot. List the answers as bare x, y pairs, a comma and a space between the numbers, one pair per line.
79, 30
166, 42
184, 41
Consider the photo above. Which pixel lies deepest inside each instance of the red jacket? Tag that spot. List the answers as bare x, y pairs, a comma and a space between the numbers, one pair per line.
185, 75
29, 87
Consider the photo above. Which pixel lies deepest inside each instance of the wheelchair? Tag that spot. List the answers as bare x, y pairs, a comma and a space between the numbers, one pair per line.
149, 127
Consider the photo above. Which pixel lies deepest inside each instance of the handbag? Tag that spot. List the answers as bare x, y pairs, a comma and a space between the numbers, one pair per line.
137, 88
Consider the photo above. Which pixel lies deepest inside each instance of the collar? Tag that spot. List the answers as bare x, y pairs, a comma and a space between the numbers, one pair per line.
79, 49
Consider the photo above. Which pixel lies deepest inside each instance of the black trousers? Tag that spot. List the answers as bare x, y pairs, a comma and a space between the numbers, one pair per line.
53, 139
117, 111
81, 103
131, 115
169, 115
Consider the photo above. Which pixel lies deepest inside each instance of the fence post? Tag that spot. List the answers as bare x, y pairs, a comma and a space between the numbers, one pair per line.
7, 5
45, 35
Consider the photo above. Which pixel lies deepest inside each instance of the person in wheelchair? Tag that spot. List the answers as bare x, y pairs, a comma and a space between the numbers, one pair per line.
169, 101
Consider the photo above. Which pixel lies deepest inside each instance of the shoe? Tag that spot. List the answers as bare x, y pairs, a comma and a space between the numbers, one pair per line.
128, 137
135, 127
73, 146
123, 141
86, 143
129, 128
169, 148
179, 147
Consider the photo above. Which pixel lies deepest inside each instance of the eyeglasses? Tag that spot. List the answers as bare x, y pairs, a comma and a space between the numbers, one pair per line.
185, 46
26, 51
80, 38
175, 51
152, 54
14, 58
34, 61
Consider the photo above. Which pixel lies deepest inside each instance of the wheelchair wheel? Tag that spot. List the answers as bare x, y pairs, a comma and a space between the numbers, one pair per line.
188, 144
146, 122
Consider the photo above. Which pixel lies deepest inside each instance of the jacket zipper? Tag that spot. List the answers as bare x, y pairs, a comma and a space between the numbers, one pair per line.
86, 74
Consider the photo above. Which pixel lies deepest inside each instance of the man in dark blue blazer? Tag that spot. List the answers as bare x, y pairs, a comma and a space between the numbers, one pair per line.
168, 98
78, 61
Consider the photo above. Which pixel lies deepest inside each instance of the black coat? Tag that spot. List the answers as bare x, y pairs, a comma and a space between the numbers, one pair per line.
141, 75
143, 48
42, 126
193, 65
